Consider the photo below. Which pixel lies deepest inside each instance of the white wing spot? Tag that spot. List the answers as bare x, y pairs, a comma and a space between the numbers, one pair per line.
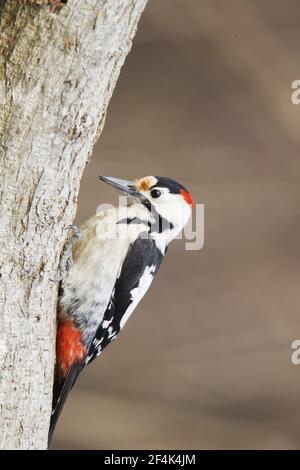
97, 342
138, 292
88, 359
111, 332
106, 323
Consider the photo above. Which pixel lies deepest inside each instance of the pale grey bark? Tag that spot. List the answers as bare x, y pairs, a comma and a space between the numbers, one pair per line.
57, 74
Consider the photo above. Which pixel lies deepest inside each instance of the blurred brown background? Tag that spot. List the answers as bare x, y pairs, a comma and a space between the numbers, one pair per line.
204, 362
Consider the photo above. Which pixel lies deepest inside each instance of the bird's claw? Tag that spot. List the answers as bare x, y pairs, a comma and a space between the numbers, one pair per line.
76, 231
66, 261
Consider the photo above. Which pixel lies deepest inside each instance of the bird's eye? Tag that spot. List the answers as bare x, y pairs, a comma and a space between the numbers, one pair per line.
155, 193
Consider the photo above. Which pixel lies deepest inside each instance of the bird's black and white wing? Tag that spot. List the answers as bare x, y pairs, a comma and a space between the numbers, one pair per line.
138, 270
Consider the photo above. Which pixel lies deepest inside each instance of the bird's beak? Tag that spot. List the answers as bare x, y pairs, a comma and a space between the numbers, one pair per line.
124, 186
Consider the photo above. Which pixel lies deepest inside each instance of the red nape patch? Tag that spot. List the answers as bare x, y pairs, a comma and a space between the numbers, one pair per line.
69, 347
187, 197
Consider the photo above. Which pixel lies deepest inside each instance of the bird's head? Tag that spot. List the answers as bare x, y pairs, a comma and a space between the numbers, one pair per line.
160, 195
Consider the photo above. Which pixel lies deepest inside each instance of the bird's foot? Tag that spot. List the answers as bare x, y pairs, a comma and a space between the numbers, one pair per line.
66, 260
76, 233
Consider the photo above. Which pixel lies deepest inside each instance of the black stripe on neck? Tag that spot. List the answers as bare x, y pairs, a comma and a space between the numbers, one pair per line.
159, 225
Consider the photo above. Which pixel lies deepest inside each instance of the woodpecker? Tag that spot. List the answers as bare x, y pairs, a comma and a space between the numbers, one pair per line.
109, 265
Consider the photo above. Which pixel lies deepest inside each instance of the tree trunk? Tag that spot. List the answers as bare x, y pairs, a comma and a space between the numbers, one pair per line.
59, 64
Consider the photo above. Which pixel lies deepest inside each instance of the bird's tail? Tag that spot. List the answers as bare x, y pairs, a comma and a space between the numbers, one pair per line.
61, 389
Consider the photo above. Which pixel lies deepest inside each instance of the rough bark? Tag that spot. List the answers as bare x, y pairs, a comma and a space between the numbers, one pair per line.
58, 67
